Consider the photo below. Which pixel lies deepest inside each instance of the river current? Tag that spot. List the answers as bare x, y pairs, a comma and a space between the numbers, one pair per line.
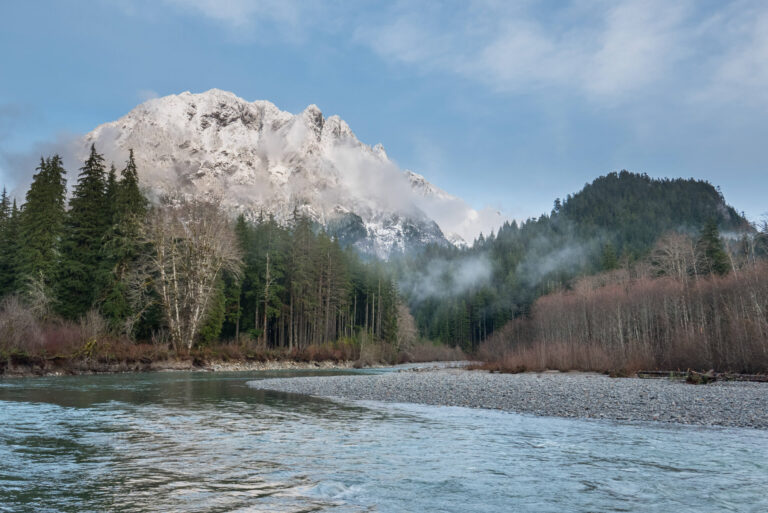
206, 442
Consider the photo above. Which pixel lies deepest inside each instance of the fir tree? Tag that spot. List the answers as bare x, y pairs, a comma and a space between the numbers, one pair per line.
86, 225
9, 247
121, 246
714, 259
211, 327
110, 193
5, 208
609, 259
40, 224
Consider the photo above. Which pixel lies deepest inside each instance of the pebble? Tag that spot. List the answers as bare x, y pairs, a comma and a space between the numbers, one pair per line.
731, 404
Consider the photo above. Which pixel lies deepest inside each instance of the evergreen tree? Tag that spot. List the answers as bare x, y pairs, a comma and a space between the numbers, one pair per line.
5, 208
712, 255
609, 259
122, 246
86, 225
9, 247
211, 327
110, 193
40, 224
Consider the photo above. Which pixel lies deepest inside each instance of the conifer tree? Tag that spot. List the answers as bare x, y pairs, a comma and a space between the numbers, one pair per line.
86, 225
5, 208
40, 224
609, 259
711, 250
110, 192
211, 327
122, 245
9, 247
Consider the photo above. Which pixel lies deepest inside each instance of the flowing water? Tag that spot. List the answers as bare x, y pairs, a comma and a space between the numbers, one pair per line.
207, 442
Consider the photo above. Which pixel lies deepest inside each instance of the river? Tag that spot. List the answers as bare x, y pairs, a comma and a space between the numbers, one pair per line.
198, 441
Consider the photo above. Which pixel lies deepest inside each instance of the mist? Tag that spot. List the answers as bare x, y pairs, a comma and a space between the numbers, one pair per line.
447, 278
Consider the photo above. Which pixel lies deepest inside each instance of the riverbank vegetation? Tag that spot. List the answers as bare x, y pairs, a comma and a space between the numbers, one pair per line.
630, 273
105, 276
689, 306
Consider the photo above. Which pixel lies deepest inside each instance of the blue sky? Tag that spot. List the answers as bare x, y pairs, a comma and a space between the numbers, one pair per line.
506, 104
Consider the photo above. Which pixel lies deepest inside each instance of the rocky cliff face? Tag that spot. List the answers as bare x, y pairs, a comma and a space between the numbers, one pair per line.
255, 158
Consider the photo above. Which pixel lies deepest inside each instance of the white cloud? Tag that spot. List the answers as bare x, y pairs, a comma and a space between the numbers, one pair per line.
607, 51
243, 12
740, 69
276, 21
147, 94
596, 48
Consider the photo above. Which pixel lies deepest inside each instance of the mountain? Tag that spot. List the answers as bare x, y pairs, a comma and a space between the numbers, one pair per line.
634, 210
464, 295
258, 159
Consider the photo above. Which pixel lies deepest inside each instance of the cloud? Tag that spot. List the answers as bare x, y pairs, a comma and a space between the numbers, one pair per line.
740, 68
19, 167
446, 278
596, 48
603, 50
267, 20
147, 94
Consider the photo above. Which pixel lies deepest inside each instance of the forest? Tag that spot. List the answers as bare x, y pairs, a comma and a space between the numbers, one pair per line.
612, 223
180, 274
630, 272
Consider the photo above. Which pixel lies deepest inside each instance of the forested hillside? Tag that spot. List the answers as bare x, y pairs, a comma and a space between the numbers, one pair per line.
180, 272
185, 272
612, 222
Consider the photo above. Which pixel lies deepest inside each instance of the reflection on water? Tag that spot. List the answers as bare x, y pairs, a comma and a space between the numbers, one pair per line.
207, 442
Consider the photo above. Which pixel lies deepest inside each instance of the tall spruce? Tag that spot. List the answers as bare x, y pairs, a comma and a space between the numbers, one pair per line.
122, 246
711, 250
5, 208
9, 245
86, 225
110, 192
41, 225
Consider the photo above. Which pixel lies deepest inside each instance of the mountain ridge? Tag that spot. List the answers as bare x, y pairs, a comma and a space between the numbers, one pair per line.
258, 158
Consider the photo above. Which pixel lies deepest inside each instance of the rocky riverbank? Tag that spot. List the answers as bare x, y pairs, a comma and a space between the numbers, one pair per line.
39, 367
732, 404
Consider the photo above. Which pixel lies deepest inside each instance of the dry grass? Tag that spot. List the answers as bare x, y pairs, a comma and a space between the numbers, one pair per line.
429, 352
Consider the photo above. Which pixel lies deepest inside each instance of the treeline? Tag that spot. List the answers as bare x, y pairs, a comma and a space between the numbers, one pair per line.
181, 273
300, 287
613, 222
67, 257
691, 304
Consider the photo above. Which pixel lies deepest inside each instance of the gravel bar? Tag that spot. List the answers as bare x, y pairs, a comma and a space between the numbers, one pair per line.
732, 404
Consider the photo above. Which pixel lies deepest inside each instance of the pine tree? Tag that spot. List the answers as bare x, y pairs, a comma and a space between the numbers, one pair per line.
609, 259
110, 193
9, 247
40, 224
86, 225
5, 208
121, 245
711, 250
210, 330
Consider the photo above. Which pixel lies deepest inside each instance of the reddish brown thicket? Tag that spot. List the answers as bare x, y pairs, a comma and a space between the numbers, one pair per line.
631, 323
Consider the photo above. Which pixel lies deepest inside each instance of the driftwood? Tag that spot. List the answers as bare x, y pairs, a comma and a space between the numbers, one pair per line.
701, 378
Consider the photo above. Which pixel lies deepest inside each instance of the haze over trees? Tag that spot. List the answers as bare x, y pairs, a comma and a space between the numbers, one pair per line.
631, 272
613, 222
184, 269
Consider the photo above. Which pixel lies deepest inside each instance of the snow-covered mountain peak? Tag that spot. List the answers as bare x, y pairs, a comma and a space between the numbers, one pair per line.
256, 157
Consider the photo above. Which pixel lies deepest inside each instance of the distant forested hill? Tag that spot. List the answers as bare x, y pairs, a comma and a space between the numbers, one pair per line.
462, 295
634, 209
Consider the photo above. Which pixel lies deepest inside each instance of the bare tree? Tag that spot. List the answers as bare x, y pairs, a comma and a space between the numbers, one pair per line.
192, 245
674, 255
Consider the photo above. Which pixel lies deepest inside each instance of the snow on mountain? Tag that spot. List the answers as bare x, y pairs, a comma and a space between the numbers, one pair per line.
256, 158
